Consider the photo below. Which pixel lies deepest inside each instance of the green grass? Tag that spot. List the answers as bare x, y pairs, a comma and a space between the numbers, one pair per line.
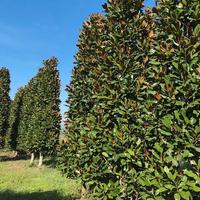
18, 181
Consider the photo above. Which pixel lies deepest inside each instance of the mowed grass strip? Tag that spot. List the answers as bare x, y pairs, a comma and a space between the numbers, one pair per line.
18, 181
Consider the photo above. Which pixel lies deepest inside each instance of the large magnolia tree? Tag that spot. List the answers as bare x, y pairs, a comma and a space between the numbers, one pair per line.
132, 129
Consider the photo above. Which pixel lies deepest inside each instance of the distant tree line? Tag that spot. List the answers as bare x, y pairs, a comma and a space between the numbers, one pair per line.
32, 125
133, 119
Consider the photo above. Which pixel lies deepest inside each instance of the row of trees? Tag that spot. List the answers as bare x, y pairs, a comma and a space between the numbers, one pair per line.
132, 127
34, 119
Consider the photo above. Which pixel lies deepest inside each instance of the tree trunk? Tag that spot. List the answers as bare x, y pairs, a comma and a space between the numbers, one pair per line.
15, 154
32, 158
83, 193
40, 160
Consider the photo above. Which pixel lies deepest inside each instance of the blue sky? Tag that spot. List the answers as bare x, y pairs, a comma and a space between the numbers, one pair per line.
34, 30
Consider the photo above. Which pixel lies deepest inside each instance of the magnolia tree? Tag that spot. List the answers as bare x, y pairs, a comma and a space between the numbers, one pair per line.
14, 119
39, 120
132, 129
82, 90
4, 103
46, 116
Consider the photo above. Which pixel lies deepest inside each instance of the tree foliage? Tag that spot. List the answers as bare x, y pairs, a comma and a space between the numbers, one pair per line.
170, 106
133, 126
85, 82
4, 103
39, 123
14, 118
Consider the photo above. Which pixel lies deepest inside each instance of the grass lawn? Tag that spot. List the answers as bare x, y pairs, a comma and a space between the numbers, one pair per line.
18, 181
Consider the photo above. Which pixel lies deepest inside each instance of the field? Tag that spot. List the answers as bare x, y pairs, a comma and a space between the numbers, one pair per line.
19, 181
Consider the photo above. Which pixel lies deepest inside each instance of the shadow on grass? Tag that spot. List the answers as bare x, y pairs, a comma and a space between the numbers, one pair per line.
6, 155
5, 158
50, 162
50, 195
10, 158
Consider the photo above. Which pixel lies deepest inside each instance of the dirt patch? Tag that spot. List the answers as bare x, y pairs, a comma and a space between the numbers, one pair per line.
17, 167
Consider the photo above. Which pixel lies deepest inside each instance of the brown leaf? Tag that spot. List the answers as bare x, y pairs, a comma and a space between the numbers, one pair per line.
151, 34
157, 96
144, 24
168, 87
146, 154
65, 140
146, 125
141, 80
155, 9
86, 23
146, 59
148, 10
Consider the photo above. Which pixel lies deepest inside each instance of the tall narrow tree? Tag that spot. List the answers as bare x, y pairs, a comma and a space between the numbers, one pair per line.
84, 80
113, 130
14, 119
104, 131
46, 117
4, 103
39, 125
